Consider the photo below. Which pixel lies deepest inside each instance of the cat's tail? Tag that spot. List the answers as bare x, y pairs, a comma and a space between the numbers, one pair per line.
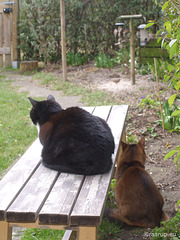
164, 216
114, 214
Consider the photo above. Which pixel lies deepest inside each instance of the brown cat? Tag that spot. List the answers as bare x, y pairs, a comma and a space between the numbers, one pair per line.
138, 199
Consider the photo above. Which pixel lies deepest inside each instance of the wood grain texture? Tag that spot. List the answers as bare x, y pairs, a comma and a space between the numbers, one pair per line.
58, 205
1, 39
70, 235
91, 200
18, 175
5, 231
87, 233
7, 38
28, 203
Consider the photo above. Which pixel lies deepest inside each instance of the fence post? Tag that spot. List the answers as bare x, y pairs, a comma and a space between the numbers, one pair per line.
63, 40
7, 38
15, 42
1, 39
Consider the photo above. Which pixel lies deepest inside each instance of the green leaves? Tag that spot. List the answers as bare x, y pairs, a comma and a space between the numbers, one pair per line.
171, 99
173, 153
151, 23
168, 26
170, 154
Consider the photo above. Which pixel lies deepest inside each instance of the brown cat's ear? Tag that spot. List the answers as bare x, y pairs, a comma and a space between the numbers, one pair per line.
51, 98
142, 142
124, 146
33, 102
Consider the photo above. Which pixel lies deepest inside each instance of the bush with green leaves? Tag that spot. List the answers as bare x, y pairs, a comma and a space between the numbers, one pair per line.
170, 40
76, 59
39, 30
171, 122
162, 67
101, 61
169, 230
89, 26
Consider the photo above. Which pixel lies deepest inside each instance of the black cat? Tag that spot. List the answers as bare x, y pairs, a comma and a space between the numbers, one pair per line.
74, 141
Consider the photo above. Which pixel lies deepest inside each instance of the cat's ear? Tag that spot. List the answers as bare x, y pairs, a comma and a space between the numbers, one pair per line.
33, 102
124, 146
142, 142
51, 98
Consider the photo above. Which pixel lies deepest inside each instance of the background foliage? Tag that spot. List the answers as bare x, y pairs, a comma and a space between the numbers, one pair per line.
89, 25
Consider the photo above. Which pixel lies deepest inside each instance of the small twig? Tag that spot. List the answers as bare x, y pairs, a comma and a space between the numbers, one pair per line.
151, 159
159, 96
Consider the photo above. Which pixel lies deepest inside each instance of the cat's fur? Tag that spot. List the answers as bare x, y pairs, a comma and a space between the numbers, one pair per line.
74, 141
139, 202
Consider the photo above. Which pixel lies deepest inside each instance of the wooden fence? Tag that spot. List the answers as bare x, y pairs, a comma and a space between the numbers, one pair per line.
8, 33
5, 39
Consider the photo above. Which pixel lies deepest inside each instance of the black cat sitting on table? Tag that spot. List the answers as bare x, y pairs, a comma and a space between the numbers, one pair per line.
74, 141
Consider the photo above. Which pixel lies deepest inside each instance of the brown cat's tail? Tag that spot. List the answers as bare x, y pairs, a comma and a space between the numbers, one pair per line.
164, 217
114, 214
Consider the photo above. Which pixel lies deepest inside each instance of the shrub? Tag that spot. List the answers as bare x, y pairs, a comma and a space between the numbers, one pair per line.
76, 59
169, 229
89, 26
101, 61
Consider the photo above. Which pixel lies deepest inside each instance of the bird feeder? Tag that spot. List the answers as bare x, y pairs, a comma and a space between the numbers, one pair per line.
118, 32
119, 25
143, 34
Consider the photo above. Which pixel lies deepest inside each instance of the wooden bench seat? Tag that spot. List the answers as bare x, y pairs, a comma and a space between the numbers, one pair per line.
34, 196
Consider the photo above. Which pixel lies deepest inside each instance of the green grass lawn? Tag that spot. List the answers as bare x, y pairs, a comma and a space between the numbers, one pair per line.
17, 131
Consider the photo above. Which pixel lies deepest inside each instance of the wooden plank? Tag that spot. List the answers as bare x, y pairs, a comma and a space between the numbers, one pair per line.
5, 50
63, 39
87, 233
5, 231
89, 109
90, 202
15, 51
102, 112
1, 39
16, 178
58, 205
116, 121
132, 50
28, 203
70, 235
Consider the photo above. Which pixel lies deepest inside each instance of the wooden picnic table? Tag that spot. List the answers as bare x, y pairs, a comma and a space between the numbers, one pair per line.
33, 196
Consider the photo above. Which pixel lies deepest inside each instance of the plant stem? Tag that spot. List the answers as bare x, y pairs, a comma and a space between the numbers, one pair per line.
159, 96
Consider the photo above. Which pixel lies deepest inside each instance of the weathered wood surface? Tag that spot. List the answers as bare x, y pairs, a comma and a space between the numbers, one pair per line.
7, 38
90, 202
26, 66
28, 203
16, 178
70, 235
5, 231
5, 50
1, 39
58, 206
